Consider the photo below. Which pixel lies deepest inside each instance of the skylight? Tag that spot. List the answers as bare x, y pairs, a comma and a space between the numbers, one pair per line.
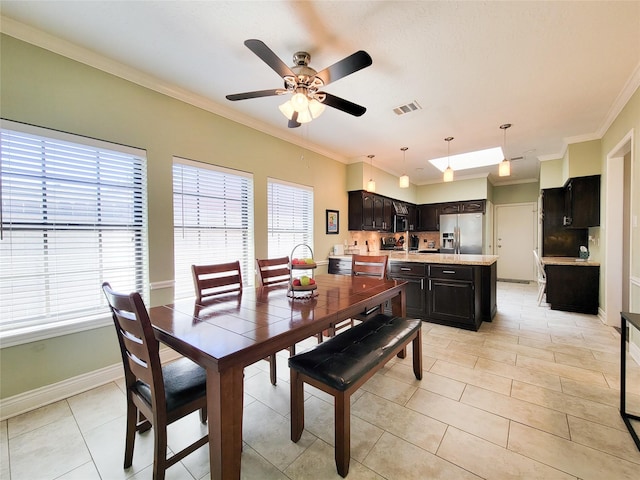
465, 161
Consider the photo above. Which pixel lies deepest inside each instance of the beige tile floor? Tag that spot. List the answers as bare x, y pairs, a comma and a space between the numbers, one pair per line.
532, 395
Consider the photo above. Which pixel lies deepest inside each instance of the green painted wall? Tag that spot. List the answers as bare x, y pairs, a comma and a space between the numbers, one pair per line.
519, 193
551, 174
473, 189
52, 91
584, 159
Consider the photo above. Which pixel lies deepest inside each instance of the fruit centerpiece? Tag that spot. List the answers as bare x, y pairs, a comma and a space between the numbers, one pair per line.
302, 286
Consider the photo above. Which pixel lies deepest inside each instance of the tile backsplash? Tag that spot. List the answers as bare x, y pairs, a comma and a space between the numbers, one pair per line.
373, 239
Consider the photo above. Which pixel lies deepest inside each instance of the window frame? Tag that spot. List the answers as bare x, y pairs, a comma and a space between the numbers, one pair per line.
272, 251
247, 260
31, 332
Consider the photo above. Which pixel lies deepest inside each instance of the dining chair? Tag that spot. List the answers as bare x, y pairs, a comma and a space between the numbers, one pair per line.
273, 271
276, 271
216, 279
156, 395
369, 266
542, 277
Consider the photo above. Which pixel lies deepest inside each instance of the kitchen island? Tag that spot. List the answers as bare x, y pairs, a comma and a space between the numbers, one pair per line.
451, 289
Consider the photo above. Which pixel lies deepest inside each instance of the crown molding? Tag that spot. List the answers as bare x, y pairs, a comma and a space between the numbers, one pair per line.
621, 100
85, 56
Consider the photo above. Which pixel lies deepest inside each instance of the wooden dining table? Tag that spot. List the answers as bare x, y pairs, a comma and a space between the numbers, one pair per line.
230, 332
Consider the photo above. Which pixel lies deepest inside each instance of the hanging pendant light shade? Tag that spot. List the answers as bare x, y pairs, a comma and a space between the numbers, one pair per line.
504, 169
371, 184
448, 173
404, 179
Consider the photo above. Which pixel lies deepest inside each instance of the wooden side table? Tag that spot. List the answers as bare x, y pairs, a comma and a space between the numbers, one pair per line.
633, 319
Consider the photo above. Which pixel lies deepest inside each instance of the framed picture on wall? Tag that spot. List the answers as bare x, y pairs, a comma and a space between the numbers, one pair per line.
333, 222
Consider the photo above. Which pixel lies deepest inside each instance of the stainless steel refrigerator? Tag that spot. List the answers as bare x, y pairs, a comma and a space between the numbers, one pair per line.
461, 233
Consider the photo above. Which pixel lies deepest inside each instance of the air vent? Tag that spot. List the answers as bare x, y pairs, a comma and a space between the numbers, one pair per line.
408, 108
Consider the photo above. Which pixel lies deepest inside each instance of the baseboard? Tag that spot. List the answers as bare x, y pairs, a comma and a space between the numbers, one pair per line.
24, 402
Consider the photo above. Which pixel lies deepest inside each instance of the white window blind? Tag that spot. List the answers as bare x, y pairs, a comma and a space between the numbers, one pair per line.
213, 220
290, 217
73, 216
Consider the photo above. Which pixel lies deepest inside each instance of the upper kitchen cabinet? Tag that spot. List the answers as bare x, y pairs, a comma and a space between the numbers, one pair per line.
469, 206
428, 217
368, 211
558, 240
473, 206
582, 202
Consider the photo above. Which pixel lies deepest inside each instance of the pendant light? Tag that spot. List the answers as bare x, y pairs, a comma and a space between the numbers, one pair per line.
371, 184
504, 169
448, 173
404, 179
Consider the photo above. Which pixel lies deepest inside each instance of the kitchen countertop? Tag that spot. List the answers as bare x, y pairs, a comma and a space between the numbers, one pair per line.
573, 261
442, 258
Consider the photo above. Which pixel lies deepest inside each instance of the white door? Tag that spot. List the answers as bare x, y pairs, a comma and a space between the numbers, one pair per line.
515, 240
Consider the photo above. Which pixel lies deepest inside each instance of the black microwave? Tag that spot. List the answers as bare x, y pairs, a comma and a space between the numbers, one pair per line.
400, 223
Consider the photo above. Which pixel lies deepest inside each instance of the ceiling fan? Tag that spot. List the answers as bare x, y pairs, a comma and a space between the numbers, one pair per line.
307, 101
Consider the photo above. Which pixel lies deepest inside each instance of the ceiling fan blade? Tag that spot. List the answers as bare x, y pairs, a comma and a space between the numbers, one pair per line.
344, 105
256, 94
293, 123
346, 66
267, 56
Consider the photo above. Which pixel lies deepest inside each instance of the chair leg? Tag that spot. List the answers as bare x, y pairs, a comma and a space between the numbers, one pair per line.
203, 415
159, 452
272, 369
342, 432
130, 438
297, 405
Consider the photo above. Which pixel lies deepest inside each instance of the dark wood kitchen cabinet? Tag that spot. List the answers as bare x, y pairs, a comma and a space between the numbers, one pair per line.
558, 240
428, 217
582, 202
468, 206
414, 274
454, 295
573, 288
368, 211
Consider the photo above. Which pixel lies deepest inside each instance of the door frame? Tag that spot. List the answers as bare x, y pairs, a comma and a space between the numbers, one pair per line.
534, 220
614, 252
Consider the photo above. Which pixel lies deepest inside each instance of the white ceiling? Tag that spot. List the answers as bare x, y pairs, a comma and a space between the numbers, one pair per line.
558, 71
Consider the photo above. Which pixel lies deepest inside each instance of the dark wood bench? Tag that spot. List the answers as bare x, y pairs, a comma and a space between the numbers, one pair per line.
340, 365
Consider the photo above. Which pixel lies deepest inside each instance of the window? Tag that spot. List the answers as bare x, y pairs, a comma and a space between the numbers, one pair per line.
290, 217
73, 216
213, 220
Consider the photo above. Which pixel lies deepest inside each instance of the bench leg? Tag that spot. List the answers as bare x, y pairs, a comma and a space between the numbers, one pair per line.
342, 432
297, 405
417, 355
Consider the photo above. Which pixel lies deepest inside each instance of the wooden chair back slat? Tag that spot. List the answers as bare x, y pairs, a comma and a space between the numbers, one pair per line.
216, 279
371, 266
273, 270
137, 341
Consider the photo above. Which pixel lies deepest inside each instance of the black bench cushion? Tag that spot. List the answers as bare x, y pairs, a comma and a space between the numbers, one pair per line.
345, 358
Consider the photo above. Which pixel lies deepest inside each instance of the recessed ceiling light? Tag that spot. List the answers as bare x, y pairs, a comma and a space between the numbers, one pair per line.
465, 161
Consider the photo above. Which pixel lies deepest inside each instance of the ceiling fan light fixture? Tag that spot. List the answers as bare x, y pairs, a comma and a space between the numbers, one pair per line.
287, 109
404, 179
304, 116
299, 100
316, 108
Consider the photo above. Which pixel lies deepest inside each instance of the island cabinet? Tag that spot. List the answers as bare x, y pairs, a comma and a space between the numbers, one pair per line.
454, 295
414, 274
460, 294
